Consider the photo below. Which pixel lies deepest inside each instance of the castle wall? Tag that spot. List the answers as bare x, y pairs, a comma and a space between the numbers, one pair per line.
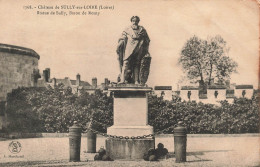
167, 94
15, 71
248, 93
193, 96
221, 94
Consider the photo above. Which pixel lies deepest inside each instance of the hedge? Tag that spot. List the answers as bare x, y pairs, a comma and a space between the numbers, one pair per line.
54, 110
240, 117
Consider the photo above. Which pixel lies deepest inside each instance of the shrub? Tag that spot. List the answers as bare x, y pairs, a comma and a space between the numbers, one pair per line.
55, 110
240, 117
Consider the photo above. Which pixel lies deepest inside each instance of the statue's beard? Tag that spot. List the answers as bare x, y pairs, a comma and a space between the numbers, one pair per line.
135, 27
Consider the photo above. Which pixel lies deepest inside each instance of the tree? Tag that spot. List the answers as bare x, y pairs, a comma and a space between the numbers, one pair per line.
204, 60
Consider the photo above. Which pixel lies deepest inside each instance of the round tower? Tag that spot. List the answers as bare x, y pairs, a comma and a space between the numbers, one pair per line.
18, 68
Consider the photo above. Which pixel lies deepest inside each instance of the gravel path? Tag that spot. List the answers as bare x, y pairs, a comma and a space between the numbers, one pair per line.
201, 151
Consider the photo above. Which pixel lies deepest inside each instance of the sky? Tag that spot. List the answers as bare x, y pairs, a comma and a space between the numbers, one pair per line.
86, 44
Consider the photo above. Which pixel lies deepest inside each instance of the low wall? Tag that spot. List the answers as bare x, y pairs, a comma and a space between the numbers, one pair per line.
57, 135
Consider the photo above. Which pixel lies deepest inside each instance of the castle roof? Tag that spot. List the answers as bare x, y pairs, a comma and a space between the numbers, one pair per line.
217, 87
189, 88
163, 88
244, 86
18, 50
64, 81
81, 83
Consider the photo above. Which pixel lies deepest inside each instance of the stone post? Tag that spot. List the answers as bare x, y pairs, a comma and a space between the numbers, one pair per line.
78, 80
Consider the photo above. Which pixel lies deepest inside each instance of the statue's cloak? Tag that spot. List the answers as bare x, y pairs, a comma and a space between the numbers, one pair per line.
132, 45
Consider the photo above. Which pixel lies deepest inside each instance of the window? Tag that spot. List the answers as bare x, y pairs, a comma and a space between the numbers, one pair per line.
189, 94
162, 93
243, 93
216, 94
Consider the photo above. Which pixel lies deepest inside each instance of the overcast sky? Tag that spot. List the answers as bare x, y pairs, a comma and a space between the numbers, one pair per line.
87, 44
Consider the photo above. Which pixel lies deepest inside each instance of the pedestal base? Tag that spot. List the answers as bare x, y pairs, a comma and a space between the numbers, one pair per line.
130, 130
128, 149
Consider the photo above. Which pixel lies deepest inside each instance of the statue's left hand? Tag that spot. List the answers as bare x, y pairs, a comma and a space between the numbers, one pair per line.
142, 33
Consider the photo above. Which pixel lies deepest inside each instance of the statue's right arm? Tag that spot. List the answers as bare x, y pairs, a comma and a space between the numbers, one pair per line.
121, 42
121, 48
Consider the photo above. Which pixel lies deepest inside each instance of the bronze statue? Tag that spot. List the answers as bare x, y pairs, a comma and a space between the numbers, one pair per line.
134, 58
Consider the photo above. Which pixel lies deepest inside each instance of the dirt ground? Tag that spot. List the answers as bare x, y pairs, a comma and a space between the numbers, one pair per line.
201, 151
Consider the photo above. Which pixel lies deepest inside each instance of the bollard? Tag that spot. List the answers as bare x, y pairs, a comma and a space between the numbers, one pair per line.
180, 143
91, 142
75, 141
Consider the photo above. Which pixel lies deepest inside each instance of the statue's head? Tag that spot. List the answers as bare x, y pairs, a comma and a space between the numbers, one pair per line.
135, 20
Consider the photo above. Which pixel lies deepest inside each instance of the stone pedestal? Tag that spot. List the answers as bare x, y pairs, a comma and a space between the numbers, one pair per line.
128, 149
130, 120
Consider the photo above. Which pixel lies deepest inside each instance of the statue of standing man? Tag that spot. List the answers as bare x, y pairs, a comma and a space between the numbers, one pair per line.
134, 58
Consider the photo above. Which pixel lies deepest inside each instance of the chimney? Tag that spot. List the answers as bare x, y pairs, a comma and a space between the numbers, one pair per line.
35, 76
94, 82
106, 82
78, 80
49, 73
46, 74
54, 81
